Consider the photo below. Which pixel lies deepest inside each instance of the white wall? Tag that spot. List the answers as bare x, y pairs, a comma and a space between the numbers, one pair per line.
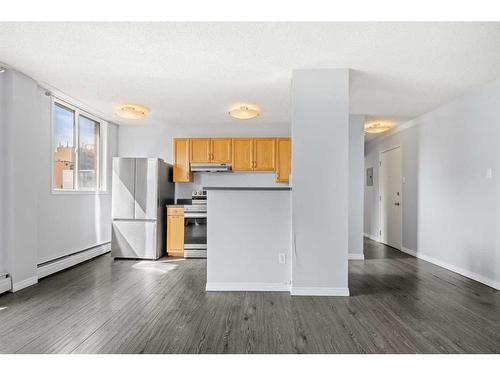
89, 215
320, 159
259, 222
356, 181
451, 209
41, 226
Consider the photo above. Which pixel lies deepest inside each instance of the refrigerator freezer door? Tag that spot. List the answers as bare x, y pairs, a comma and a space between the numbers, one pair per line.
146, 184
123, 201
134, 239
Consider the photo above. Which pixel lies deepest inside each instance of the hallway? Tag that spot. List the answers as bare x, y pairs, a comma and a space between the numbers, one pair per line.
398, 304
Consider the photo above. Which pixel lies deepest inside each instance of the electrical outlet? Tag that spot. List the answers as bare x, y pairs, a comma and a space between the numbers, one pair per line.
282, 258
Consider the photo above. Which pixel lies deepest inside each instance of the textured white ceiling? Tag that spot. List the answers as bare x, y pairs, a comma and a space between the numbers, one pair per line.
190, 73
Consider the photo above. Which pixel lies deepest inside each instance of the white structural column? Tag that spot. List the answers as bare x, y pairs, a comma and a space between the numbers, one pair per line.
320, 159
21, 172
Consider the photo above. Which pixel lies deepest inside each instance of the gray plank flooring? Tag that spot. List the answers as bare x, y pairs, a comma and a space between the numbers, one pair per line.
398, 304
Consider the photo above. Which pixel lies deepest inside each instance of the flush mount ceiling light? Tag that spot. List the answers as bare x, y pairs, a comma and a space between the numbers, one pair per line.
132, 111
244, 112
2, 69
378, 127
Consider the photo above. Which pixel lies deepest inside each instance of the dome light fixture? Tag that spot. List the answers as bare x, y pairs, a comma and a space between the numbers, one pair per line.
244, 112
378, 127
132, 111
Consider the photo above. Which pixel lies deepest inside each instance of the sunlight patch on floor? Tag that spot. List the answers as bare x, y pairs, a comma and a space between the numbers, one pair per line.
155, 267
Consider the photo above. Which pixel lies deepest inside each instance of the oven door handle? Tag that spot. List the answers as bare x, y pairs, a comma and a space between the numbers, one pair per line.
195, 215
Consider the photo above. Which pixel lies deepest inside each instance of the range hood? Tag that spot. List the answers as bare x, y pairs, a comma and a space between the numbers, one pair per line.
210, 167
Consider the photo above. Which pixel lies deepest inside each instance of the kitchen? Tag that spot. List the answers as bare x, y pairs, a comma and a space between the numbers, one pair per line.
211, 166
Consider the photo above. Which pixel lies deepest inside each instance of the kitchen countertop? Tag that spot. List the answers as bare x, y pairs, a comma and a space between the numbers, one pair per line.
250, 188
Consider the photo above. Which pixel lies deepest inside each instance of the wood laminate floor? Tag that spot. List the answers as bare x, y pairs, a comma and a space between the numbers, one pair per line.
399, 304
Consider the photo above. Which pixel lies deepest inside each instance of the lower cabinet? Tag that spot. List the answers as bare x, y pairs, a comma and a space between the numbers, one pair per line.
175, 232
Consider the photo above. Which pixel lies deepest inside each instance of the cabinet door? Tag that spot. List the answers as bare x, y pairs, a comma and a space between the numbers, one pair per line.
175, 235
221, 150
264, 154
283, 159
181, 160
200, 150
242, 154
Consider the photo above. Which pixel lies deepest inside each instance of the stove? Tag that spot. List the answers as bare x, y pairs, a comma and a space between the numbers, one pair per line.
195, 226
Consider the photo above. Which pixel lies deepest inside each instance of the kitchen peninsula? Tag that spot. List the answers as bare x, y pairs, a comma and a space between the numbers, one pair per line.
249, 238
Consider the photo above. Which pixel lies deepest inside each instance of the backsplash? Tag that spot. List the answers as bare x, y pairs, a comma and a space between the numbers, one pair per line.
200, 180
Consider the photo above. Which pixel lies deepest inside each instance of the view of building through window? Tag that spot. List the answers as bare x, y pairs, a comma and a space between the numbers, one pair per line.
87, 152
72, 172
64, 154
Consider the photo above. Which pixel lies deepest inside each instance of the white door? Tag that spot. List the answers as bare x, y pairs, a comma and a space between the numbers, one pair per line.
390, 197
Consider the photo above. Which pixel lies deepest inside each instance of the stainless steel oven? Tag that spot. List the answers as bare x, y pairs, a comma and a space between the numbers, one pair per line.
195, 226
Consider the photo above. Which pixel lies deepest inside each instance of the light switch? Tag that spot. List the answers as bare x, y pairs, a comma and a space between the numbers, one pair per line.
489, 173
404, 179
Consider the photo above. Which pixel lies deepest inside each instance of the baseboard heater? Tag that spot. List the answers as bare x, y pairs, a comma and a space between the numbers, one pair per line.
5, 283
59, 264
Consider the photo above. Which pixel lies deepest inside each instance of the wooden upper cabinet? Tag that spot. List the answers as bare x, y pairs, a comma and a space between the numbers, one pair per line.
200, 150
283, 159
242, 154
181, 160
264, 154
221, 150
245, 154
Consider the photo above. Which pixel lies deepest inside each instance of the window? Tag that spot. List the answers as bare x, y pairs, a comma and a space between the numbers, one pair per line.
77, 149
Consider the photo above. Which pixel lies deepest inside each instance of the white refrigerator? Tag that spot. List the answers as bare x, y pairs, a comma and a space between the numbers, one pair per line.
141, 188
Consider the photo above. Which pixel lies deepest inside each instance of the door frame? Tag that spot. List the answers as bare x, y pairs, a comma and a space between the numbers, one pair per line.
379, 192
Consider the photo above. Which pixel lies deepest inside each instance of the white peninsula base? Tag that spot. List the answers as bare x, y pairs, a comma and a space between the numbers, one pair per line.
249, 239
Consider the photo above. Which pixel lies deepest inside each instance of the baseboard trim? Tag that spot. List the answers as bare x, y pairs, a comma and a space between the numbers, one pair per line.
247, 287
371, 237
24, 283
319, 291
5, 284
409, 251
450, 267
60, 264
352, 256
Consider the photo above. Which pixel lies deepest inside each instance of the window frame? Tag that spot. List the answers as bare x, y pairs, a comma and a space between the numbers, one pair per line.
101, 187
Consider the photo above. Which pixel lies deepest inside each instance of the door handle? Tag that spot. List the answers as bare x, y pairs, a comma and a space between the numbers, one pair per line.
396, 204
